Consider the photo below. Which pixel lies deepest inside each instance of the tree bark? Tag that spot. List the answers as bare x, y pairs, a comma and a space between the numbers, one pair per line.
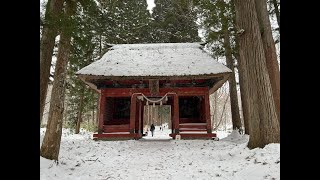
242, 78
244, 98
269, 51
49, 33
79, 115
51, 142
236, 121
264, 125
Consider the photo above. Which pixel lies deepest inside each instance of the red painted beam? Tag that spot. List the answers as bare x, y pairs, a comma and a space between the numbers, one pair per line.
137, 82
127, 92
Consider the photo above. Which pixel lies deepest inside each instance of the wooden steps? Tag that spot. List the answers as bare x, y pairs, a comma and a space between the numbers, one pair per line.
116, 128
193, 125
194, 131
116, 136
194, 135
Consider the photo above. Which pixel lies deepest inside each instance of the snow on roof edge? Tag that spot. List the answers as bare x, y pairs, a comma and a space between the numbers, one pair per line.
158, 59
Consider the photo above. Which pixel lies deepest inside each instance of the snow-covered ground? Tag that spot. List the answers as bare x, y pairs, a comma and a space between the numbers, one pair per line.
160, 157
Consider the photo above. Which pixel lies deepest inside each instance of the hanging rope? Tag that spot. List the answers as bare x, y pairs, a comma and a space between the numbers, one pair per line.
153, 102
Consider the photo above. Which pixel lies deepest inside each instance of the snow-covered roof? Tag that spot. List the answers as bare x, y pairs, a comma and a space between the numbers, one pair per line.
161, 59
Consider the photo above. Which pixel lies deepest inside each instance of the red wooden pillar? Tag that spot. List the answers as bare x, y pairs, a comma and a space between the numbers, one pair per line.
140, 108
133, 108
137, 119
102, 112
176, 114
171, 126
142, 117
207, 112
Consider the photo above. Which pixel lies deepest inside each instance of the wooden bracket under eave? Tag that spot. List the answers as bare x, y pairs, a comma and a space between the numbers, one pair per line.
154, 87
218, 84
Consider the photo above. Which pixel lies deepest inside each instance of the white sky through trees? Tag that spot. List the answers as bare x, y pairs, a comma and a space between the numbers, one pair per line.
150, 5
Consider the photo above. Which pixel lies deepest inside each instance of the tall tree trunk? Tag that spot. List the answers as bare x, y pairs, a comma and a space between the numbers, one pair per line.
98, 101
244, 96
236, 121
51, 142
79, 115
242, 78
244, 99
49, 33
264, 125
269, 51
276, 9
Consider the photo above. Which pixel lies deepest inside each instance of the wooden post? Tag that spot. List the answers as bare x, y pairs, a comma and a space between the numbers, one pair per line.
102, 111
176, 113
170, 120
151, 113
207, 112
98, 113
140, 117
133, 108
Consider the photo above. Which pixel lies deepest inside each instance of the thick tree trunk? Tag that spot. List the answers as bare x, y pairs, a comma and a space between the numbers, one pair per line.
264, 125
51, 142
244, 97
269, 51
49, 33
236, 121
79, 115
242, 78
276, 9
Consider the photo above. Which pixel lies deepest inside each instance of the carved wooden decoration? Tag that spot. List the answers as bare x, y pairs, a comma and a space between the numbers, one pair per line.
154, 87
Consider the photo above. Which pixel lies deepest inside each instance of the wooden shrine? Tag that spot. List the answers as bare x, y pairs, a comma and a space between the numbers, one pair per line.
131, 76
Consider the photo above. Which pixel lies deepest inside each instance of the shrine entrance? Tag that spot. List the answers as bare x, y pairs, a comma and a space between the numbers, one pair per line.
160, 116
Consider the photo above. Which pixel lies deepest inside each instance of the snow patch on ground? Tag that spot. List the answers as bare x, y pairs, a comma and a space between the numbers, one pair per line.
81, 158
